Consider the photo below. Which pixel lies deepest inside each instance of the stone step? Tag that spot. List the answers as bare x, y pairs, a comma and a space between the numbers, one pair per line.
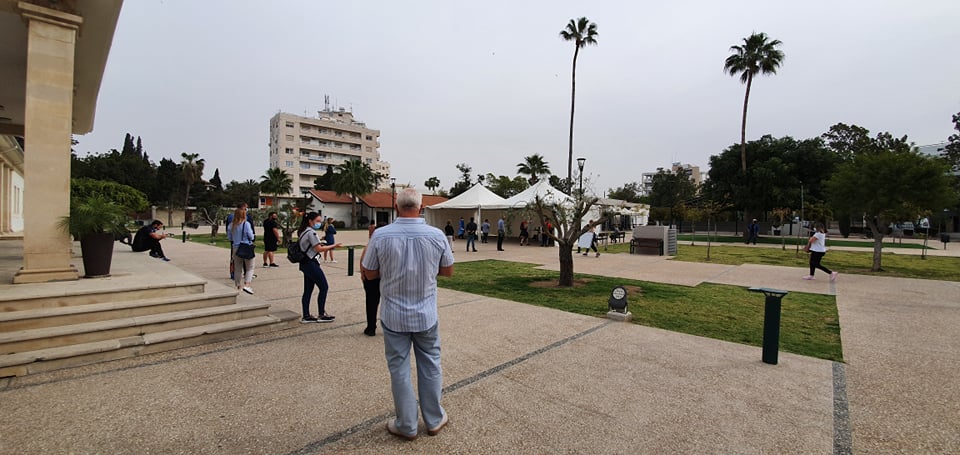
50, 317
31, 297
49, 337
54, 358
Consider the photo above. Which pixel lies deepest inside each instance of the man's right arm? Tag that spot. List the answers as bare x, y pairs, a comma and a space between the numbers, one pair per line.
445, 271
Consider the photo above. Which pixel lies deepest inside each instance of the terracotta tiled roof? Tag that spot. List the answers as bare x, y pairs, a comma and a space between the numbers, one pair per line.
330, 197
429, 200
384, 200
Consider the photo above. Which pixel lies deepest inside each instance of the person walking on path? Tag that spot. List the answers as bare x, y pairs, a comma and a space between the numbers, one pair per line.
329, 230
589, 240
462, 229
484, 231
501, 233
271, 239
753, 231
524, 233
309, 242
448, 230
472, 235
407, 256
228, 222
371, 289
817, 247
241, 233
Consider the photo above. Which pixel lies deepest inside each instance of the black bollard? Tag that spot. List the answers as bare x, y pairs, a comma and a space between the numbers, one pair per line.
771, 323
183, 235
349, 261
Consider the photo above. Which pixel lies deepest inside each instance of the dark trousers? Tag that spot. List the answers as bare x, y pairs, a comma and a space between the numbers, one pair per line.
313, 276
500, 236
472, 241
483, 237
815, 258
155, 249
371, 288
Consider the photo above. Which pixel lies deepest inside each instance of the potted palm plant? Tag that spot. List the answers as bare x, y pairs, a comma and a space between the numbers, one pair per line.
95, 221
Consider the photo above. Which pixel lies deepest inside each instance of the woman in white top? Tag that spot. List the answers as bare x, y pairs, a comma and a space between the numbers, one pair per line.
817, 247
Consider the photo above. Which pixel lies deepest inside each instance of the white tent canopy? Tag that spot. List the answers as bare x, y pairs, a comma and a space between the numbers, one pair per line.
547, 193
470, 203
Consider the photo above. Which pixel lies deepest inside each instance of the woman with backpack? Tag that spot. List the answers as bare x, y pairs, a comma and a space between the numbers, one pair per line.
309, 243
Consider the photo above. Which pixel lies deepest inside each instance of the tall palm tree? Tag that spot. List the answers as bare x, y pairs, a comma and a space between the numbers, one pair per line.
432, 184
357, 179
757, 55
276, 181
192, 172
533, 165
582, 32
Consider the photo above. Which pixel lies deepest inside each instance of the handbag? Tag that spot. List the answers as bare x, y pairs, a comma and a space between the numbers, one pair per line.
246, 251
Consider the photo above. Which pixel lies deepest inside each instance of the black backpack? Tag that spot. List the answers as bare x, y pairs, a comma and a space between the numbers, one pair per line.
294, 253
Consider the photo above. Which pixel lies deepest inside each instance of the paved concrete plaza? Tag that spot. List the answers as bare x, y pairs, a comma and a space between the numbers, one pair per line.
518, 378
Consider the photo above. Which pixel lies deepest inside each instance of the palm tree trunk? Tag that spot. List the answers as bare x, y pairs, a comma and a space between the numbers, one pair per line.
573, 100
743, 127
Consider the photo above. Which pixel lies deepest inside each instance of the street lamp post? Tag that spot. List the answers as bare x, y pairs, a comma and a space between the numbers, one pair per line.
580, 162
393, 198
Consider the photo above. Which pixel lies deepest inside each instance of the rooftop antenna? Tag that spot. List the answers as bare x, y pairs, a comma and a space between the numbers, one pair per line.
326, 103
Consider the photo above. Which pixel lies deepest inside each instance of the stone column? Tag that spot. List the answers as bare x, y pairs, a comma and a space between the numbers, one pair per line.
6, 201
48, 123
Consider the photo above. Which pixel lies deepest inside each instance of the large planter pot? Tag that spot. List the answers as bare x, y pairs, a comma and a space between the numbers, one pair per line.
97, 252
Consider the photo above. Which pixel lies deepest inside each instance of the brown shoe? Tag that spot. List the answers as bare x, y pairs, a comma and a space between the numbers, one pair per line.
436, 430
392, 429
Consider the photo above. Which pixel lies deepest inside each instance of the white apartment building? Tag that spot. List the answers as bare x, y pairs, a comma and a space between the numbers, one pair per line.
306, 146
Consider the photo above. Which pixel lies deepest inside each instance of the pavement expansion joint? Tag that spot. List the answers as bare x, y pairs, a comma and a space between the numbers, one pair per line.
378, 420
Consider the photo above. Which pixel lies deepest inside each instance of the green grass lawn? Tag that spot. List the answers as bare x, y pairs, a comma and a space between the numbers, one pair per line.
809, 321
793, 241
895, 265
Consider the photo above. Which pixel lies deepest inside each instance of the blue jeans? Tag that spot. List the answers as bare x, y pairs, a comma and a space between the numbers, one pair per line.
471, 241
426, 347
313, 276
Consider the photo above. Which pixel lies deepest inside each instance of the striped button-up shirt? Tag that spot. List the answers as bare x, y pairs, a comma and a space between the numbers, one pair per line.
408, 254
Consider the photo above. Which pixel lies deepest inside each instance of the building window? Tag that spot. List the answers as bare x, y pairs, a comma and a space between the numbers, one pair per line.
354, 147
369, 149
369, 160
338, 133
289, 124
304, 165
289, 150
289, 163
369, 137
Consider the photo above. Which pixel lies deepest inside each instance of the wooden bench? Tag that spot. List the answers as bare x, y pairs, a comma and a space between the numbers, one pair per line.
617, 237
637, 243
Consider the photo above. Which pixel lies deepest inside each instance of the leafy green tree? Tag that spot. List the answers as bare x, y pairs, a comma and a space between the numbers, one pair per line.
887, 180
128, 197
432, 184
504, 186
780, 166
357, 179
672, 191
534, 166
246, 191
582, 32
325, 181
215, 181
465, 182
630, 192
757, 55
952, 151
276, 181
192, 166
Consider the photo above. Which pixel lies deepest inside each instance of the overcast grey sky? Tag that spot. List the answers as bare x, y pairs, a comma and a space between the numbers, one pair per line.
487, 83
